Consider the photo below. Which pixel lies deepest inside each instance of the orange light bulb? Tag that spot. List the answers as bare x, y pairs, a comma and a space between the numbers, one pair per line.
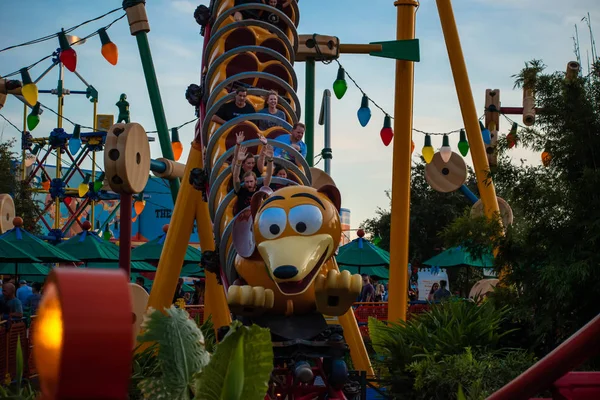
139, 206
110, 52
177, 150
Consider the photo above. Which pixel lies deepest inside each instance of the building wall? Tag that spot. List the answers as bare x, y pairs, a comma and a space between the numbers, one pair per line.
345, 221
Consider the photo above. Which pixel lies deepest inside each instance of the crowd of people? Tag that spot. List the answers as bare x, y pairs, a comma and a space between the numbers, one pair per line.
17, 302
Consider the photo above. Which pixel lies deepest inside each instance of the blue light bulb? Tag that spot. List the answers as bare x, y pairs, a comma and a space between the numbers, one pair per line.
364, 113
75, 140
485, 133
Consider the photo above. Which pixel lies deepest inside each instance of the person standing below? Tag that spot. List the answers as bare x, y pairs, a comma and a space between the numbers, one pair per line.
368, 291
245, 193
32, 303
232, 109
294, 139
271, 109
442, 293
12, 308
24, 291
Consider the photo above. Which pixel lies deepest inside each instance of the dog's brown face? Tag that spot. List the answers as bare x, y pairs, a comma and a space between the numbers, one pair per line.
296, 230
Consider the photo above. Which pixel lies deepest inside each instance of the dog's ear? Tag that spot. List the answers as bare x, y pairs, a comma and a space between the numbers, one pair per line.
333, 194
258, 198
242, 236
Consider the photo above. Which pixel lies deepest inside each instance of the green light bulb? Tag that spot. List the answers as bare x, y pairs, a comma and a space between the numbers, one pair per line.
463, 145
340, 86
33, 119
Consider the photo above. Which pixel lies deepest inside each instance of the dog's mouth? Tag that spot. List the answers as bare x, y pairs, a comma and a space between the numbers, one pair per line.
292, 288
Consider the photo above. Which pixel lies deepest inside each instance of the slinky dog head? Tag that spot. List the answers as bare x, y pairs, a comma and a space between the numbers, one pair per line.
296, 230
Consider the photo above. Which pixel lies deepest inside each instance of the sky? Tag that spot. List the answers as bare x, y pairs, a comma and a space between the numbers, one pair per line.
497, 37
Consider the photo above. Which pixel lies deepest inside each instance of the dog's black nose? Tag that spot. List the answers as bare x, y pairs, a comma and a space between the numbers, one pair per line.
285, 272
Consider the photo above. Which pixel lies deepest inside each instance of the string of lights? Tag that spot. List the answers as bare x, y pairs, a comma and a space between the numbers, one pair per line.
179, 126
52, 36
364, 113
66, 48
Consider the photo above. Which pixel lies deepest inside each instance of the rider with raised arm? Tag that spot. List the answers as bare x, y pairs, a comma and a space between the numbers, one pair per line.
245, 193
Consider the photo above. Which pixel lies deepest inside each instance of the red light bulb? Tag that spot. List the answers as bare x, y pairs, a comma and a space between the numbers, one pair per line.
387, 134
69, 58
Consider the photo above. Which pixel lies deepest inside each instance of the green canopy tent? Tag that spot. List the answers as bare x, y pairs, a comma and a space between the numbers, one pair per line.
136, 266
36, 247
89, 247
362, 257
460, 257
151, 251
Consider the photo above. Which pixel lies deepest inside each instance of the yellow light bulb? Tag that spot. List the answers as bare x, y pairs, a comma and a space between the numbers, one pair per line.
30, 93
83, 189
48, 337
428, 153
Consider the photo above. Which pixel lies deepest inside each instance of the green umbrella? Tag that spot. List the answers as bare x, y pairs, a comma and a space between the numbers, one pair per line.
10, 253
30, 244
192, 270
24, 269
362, 257
459, 256
150, 251
137, 266
89, 247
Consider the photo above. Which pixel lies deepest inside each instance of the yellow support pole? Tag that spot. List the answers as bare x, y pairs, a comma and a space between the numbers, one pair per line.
467, 108
403, 119
23, 152
92, 218
178, 237
58, 154
215, 302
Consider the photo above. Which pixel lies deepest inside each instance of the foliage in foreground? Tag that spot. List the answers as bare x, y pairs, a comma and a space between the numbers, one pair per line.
452, 335
177, 365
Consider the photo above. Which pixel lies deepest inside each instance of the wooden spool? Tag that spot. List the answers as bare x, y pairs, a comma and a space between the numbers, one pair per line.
320, 178
446, 177
7, 212
506, 212
572, 70
127, 158
528, 107
137, 18
329, 48
139, 302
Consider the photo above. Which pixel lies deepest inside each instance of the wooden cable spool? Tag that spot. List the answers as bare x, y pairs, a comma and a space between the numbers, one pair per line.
127, 158
139, 302
506, 212
7, 212
446, 177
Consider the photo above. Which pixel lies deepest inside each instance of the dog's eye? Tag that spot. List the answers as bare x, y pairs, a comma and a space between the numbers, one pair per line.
305, 219
271, 222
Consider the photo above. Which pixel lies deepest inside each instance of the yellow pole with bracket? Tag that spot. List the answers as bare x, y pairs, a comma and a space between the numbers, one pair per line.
402, 155
467, 108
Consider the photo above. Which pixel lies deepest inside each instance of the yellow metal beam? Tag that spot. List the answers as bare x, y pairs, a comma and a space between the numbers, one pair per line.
402, 152
467, 108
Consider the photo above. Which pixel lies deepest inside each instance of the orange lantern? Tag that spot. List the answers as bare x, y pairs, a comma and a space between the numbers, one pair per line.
82, 344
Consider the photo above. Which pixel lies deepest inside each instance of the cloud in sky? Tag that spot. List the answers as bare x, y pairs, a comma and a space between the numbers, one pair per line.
497, 38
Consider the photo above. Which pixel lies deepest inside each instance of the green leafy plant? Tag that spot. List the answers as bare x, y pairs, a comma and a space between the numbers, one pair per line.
448, 329
20, 389
180, 354
241, 366
468, 376
176, 363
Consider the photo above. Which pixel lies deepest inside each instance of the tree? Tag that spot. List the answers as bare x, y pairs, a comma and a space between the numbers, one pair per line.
25, 206
430, 212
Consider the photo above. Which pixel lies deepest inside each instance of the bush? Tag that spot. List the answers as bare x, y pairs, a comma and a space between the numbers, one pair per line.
451, 334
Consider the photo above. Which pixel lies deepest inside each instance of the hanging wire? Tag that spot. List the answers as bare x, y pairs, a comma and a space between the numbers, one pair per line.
178, 127
63, 117
11, 124
53, 54
52, 36
386, 113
